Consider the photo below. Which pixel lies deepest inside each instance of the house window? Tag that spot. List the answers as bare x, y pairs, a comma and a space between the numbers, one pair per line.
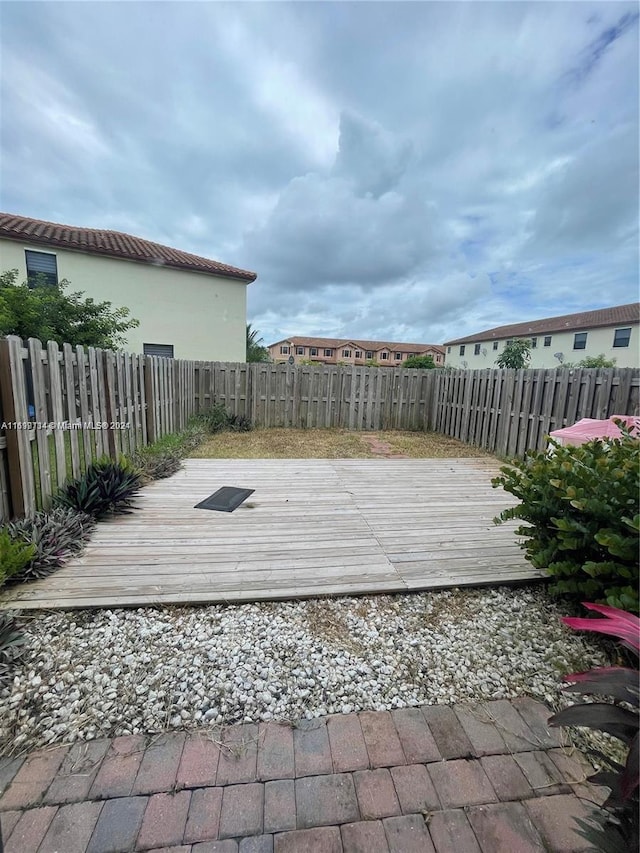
284, 350
358, 353
580, 340
398, 356
368, 353
328, 353
448, 350
476, 349
384, 356
462, 350
534, 343
42, 267
346, 353
547, 340
299, 350
621, 337
496, 344
163, 350
508, 343
314, 351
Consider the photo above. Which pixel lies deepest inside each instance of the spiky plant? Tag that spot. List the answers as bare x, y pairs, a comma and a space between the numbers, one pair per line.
12, 642
56, 535
106, 488
614, 829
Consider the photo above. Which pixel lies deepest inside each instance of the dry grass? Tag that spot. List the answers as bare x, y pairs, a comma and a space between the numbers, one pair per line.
327, 444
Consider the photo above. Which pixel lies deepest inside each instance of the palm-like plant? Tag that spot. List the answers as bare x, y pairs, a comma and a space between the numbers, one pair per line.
256, 351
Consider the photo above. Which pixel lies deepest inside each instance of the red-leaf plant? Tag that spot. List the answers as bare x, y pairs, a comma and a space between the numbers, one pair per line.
615, 827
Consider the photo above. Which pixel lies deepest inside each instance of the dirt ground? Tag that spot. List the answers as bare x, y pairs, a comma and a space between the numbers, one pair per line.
331, 444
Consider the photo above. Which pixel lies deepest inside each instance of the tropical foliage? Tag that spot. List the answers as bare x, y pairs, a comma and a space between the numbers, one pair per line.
256, 351
516, 354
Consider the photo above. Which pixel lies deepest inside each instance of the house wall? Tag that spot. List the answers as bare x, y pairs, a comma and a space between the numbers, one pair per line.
598, 341
338, 357
203, 316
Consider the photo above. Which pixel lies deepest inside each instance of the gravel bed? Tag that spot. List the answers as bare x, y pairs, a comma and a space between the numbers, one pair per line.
91, 674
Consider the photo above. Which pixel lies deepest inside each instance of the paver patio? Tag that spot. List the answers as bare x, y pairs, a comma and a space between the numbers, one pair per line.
296, 789
312, 527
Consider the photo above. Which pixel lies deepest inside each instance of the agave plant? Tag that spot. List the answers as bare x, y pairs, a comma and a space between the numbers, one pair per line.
12, 642
615, 829
106, 488
55, 536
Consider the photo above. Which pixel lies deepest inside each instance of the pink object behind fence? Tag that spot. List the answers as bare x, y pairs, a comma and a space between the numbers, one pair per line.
588, 428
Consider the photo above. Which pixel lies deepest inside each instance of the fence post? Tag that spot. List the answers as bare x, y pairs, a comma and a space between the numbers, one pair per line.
15, 409
149, 413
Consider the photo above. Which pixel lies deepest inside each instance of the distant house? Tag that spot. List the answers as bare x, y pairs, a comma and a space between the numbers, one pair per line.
350, 351
557, 340
188, 307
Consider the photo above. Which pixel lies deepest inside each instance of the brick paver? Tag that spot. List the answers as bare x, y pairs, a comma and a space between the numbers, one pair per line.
324, 839
242, 810
164, 820
484, 735
407, 835
381, 739
542, 773
71, 828
451, 739
326, 800
364, 837
198, 763
279, 805
238, 756
415, 789
348, 747
203, 819
505, 828
506, 777
118, 825
461, 783
481, 778
312, 752
418, 744
554, 818
376, 794
30, 830
77, 772
275, 752
451, 831
159, 766
119, 768
33, 778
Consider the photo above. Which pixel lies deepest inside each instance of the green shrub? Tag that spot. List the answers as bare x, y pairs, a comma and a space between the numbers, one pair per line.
580, 506
217, 419
55, 535
15, 554
106, 488
422, 362
12, 642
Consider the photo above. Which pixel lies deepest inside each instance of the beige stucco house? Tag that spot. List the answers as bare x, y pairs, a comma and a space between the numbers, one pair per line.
188, 306
350, 351
570, 338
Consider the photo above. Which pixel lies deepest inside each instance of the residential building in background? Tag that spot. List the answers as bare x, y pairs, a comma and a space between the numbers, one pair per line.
350, 351
188, 306
612, 332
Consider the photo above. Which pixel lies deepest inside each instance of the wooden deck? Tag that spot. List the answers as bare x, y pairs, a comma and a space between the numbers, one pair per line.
312, 527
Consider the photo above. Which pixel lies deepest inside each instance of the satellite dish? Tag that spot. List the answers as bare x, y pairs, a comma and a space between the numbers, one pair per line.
559, 356
291, 360
484, 351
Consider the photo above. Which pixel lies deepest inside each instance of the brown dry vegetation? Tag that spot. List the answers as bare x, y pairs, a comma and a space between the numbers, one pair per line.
328, 444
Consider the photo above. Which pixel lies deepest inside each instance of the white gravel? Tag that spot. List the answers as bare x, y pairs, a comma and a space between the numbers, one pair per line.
90, 674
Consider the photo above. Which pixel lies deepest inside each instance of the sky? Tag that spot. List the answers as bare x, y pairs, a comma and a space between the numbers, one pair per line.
394, 171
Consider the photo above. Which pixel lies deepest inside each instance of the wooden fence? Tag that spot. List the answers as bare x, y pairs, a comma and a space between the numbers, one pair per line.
61, 408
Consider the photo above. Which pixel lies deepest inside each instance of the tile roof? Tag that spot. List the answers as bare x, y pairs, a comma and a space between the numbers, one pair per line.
332, 343
113, 244
616, 316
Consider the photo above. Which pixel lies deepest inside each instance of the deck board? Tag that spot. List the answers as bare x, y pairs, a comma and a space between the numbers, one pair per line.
312, 527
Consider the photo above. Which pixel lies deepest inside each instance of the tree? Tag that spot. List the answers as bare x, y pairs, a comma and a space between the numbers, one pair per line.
516, 354
597, 361
425, 362
255, 349
46, 312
